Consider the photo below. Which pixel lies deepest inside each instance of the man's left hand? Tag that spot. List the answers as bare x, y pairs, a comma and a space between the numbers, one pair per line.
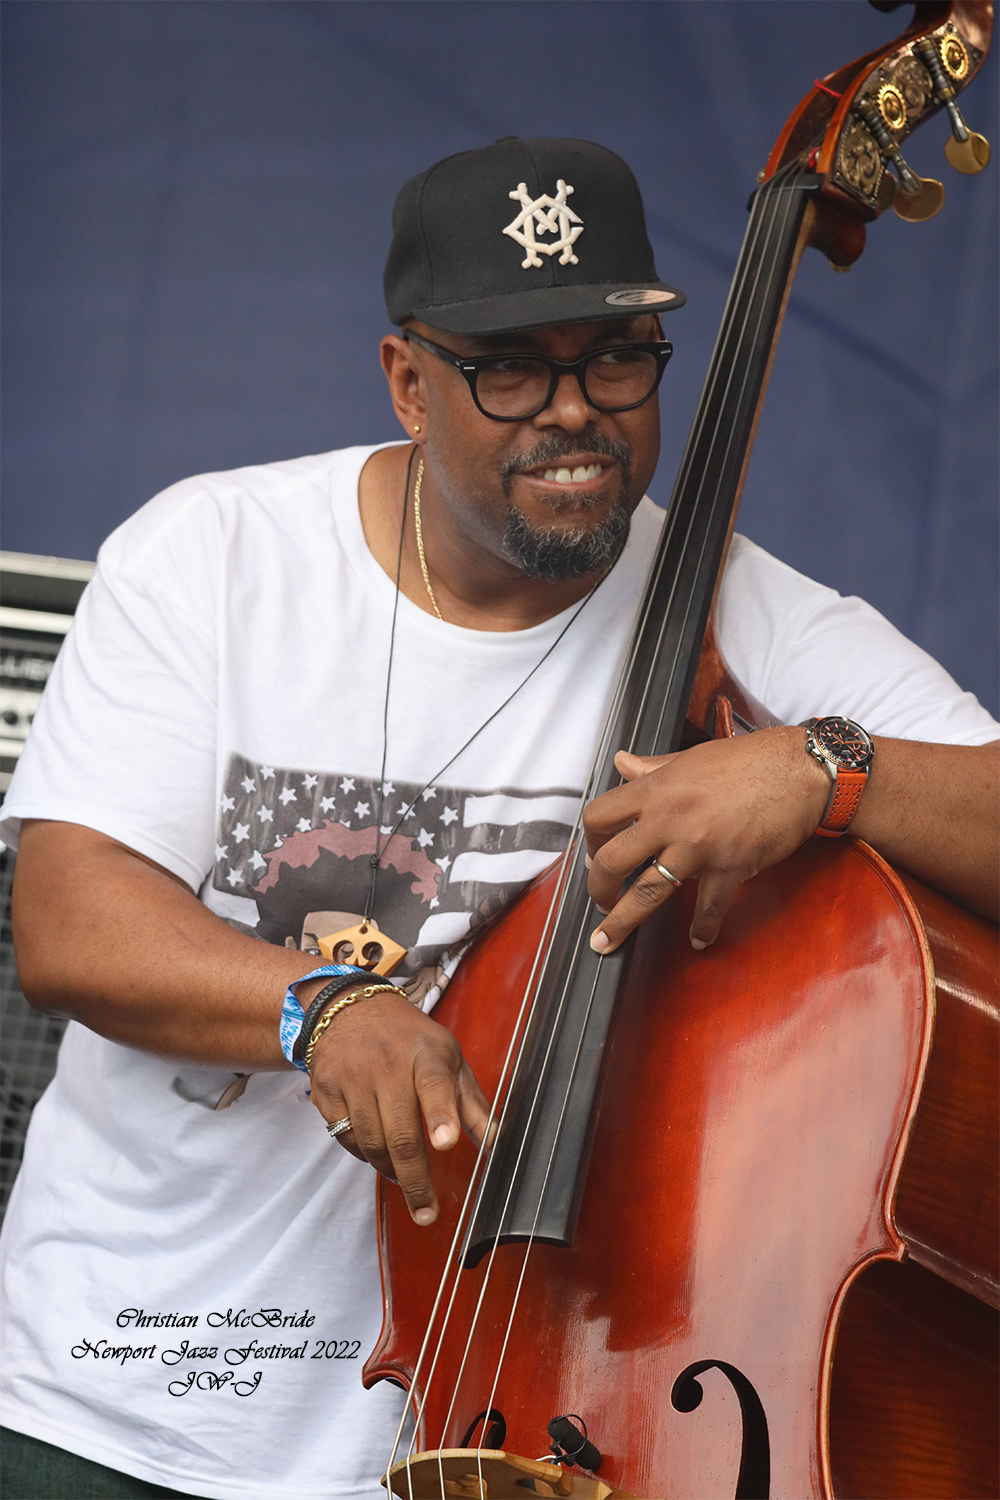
717, 813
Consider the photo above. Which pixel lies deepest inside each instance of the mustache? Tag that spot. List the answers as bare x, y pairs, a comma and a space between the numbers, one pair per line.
556, 445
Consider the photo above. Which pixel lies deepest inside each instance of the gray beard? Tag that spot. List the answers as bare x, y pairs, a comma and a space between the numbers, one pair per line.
552, 554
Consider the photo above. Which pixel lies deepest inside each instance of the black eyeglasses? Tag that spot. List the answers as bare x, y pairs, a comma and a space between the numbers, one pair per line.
514, 387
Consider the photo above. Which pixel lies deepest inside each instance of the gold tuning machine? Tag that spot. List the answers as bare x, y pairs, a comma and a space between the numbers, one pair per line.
917, 198
967, 151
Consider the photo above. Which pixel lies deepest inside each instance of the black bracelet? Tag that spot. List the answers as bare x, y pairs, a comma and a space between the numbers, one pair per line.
322, 1000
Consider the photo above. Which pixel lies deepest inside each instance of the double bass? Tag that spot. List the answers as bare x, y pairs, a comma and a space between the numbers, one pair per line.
735, 1230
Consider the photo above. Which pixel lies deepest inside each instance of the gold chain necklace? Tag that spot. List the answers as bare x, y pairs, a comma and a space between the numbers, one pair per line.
420, 538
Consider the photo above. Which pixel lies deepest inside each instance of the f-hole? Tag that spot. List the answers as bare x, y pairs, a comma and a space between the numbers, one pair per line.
754, 1480
496, 1433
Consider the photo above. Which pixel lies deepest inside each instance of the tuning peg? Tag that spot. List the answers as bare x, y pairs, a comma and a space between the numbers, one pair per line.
919, 198
969, 155
966, 150
921, 202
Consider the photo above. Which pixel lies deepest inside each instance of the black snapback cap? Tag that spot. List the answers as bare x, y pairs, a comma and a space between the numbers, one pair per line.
522, 234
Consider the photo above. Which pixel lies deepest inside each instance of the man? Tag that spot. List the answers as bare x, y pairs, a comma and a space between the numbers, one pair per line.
368, 685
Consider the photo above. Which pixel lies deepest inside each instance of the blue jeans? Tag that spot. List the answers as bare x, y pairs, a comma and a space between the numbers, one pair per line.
32, 1470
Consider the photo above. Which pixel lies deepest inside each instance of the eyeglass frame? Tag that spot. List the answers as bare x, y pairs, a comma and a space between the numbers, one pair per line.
470, 365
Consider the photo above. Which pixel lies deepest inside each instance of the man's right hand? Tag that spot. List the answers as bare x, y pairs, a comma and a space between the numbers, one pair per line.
120, 944
383, 1064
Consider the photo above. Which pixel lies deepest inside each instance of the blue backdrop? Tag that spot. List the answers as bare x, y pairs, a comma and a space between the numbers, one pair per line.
196, 212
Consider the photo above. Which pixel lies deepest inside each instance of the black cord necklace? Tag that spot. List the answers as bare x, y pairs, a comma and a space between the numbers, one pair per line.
381, 845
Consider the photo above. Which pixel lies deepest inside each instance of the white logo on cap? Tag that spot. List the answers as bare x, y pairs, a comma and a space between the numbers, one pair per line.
549, 216
638, 298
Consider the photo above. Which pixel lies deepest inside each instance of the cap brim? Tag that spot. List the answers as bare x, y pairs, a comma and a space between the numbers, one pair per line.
548, 307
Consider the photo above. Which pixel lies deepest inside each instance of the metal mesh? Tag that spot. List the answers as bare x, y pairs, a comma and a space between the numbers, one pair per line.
30, 1043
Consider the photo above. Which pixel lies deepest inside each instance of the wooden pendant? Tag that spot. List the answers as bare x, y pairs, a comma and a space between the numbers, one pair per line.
363, 945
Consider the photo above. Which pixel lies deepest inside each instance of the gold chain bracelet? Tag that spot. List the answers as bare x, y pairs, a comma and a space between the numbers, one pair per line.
334, 1010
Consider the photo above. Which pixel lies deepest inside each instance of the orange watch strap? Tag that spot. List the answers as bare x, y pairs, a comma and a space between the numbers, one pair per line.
843, 804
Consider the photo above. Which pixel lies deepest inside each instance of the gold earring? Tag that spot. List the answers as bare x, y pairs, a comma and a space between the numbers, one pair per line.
416, 426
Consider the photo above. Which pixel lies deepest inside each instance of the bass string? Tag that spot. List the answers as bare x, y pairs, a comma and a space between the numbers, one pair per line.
789, 207
744, 329
523, 1268
729, 324
507, 1333
725, 358
772, 217
542, 954
465, 1213
541, 957
769, 220
529, 1244
539, 968
524, 1263
736, 359
540, 963
745, 265
523, 1145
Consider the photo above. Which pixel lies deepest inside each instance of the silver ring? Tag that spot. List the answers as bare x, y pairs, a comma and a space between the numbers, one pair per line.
338, 1127
662, 869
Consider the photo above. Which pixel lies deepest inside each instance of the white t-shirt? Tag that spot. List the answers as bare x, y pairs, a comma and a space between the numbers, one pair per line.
190, 1292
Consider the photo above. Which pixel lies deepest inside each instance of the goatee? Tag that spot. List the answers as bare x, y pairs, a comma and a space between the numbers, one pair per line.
552, 553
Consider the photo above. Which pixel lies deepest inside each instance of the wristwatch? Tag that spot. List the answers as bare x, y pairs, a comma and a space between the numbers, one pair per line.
845, 751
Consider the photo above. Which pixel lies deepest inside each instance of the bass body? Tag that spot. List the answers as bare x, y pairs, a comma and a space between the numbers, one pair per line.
755, 1109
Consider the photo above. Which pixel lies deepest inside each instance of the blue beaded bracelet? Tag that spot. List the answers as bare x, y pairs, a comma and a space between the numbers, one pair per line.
292, 1014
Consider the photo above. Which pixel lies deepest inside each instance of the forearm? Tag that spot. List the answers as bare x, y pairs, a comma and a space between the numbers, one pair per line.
934, 810
117, 943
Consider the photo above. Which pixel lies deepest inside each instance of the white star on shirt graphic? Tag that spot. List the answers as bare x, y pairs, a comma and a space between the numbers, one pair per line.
248, 784
242, 832
327, 803
309, 782
448, 816
303, 825
287, 795
347, 785
228, 803
266, 771
362, 809
265, 814
424, 838
234, 877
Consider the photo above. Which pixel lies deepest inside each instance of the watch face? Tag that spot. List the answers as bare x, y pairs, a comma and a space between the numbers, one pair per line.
846, 742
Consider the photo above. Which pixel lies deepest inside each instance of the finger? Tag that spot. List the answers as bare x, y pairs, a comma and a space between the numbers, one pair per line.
612, 864
633, 766
436, 1085
403, 1132
356, 1101
646, 894
716, 894
608, 815
366, 1138
473, 1106
333, 1107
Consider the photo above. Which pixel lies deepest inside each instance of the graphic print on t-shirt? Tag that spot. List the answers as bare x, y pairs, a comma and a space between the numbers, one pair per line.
298, 842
